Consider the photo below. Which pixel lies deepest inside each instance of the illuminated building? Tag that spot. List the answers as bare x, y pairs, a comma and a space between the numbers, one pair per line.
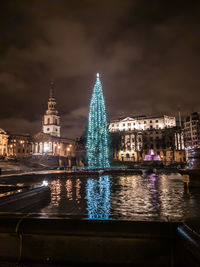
166, 140
51, 145
3, 143
19, 145
192, 130
51, 120
142, 123
192, 139
49, 141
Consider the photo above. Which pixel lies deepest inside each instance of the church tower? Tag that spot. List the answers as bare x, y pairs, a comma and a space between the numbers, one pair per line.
51, 120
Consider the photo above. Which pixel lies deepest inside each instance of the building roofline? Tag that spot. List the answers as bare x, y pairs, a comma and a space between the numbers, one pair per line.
142, 117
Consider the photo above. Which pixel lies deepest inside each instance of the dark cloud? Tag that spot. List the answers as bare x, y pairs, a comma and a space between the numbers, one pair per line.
147, 53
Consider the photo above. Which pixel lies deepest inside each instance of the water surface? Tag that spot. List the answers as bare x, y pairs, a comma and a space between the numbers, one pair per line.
131, 197
124, 197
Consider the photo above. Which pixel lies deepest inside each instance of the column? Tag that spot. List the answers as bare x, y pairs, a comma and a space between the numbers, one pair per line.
53, 148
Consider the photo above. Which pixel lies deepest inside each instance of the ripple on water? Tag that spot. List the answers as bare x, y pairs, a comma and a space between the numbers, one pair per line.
130, 197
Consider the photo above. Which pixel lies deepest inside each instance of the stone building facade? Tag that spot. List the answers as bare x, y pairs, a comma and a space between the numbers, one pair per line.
51, 119
3, 143
142, 123
49, 142
51, 145
167, 141
192, 130
19, 145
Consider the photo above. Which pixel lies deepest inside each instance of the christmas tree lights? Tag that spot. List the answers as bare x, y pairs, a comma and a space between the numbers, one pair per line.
98, 198
97, 133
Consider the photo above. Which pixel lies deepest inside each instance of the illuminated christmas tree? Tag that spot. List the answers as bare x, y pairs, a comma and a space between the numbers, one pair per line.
97, 133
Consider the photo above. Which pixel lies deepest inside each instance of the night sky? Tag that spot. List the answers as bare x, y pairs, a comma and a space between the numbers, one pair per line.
147, 54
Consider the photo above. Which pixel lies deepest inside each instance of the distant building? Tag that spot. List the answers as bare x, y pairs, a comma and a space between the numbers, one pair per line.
19, 145
149, 133
142, 123
192, 130
49, 141
43, 143
51, 120
3, 143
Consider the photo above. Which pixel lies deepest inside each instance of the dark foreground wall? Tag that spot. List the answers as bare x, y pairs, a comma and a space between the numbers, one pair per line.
64, 241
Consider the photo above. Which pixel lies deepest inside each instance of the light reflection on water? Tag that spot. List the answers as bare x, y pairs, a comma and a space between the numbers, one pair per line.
78, 188
9, 193
55, 192
132, 197
68, 186
150, 196
98, 198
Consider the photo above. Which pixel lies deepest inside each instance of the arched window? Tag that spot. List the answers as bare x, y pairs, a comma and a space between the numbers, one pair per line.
48, 121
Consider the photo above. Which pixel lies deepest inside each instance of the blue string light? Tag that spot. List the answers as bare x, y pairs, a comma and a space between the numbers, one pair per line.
97, 133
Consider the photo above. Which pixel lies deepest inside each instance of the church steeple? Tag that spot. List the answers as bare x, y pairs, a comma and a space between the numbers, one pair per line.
51, 121
51, 95
52, 102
